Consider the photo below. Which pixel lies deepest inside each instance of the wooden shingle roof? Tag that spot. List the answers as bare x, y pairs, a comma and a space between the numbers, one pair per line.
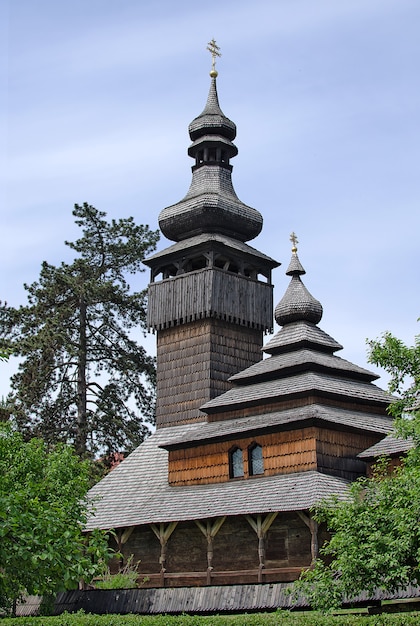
211, 203
203, 241
137, 491
389, 446
298, 386
301, 360
302, 364
203, 600
297, 418
301, 334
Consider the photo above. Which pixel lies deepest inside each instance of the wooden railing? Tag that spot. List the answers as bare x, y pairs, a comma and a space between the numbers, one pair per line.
209, 577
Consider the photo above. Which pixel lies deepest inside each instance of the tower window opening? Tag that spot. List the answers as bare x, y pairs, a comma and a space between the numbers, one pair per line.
198, 263
169, 271
236, 463
262, 278
250, 272
255, 460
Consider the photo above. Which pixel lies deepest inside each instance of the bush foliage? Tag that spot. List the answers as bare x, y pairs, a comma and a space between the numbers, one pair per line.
43, 509
279, 618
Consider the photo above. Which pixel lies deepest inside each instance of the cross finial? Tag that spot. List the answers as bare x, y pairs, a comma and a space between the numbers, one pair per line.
294, 240
214, 49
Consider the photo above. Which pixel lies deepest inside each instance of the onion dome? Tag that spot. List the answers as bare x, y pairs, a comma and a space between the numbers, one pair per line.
297, 303
211, 204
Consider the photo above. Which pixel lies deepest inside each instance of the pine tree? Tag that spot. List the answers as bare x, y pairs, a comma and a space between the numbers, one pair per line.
83, 376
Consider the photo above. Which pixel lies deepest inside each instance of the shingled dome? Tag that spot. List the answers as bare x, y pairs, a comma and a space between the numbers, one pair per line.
297, 303
211, 204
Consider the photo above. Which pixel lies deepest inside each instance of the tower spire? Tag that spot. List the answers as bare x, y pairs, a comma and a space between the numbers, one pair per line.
211, 204
210, 291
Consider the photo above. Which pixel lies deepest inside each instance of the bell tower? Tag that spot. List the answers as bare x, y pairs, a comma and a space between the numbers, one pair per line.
210, 298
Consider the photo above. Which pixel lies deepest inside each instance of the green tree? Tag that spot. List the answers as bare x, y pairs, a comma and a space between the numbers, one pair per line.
83, 378
5, 350
4, 356
43, 508
403, 365
375, 540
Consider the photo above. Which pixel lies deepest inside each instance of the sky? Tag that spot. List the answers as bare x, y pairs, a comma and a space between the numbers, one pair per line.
97, 99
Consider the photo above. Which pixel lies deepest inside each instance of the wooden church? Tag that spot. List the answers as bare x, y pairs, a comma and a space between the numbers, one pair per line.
248, 438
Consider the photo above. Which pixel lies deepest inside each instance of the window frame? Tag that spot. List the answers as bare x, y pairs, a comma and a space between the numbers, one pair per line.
233, 463
253, 461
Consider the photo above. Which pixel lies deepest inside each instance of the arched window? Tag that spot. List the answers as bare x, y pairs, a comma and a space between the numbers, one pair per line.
255, 460
236, 463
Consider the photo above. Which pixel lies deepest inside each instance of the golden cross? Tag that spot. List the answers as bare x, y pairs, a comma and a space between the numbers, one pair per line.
214, 49
294, 240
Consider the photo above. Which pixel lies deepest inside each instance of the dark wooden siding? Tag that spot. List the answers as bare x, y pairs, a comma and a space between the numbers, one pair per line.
393, 463
337, 452
144, 546
197, 600
210, 292
288, 542
235, 553
187, 549
194, 362
235, 546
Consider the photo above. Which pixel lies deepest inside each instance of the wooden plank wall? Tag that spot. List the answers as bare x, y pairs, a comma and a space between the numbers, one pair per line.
283, 452
235, 553
337, 452
203, 600
327, 450
194, 362
210, 292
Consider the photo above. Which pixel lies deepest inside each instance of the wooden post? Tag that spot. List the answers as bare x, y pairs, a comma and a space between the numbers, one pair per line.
163, 535
312, 524
121, 537
210, 530
261, 526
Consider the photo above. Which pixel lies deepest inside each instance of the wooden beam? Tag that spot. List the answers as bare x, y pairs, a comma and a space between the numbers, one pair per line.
312, 524
126, 534
210, 530
261, 526
163, 533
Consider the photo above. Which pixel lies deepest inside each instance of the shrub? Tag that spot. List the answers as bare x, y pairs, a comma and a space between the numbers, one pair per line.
126, 578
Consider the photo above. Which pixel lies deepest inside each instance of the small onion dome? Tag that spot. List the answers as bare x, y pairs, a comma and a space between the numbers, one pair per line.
297, 303
212, 120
